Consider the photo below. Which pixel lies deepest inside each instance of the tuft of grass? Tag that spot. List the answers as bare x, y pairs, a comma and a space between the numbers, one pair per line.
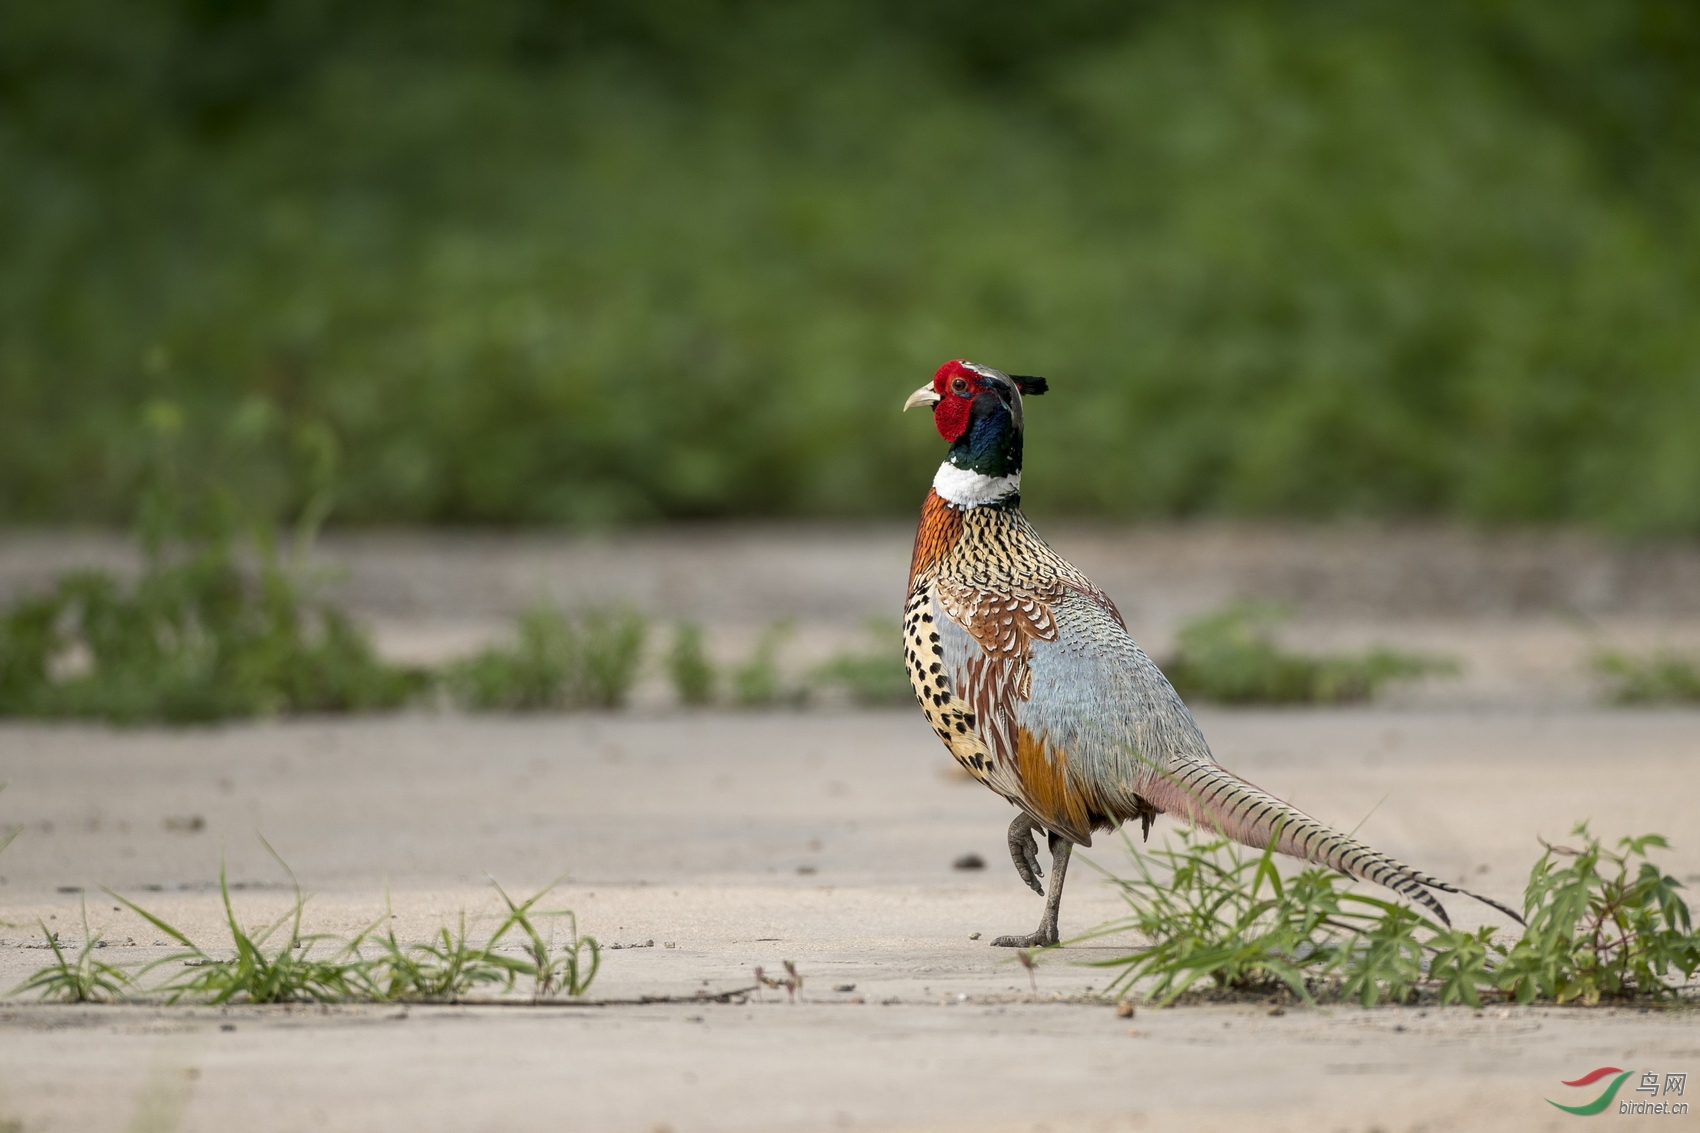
1601, 925
1231, 656
1660, 677
692, 673
451, 965
586, 661
1218, 916
276, 964
759, 681
442, 970
78, 978
875, 677
265, 967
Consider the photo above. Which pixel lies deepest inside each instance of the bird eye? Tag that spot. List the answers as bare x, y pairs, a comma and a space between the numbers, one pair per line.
959, 387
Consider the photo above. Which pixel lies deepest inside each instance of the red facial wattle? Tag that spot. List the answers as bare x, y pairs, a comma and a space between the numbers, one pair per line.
950, 415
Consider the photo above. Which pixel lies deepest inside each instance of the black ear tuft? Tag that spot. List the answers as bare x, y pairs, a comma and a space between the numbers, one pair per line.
1029, 385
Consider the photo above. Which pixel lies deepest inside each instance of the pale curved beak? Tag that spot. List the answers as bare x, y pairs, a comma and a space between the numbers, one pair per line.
926, 395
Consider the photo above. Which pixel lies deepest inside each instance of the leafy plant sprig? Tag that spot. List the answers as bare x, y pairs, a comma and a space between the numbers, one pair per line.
1602, 924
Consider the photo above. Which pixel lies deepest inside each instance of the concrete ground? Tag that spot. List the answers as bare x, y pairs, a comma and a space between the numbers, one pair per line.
827, 838
735, 840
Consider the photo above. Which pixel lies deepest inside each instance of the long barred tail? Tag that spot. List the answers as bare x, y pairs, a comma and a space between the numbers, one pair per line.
1214, 798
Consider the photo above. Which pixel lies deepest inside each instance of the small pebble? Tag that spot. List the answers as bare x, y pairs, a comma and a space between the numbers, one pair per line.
1124, 1010
969, 861
973, 936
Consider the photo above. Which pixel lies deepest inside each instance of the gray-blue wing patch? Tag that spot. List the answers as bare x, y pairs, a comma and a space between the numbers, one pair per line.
1098, 698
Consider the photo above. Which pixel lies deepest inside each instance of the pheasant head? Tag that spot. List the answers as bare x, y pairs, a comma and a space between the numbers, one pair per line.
978, 410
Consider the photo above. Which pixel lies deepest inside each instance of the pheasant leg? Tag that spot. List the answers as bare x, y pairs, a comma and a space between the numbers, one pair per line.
1046, 934
1024, 851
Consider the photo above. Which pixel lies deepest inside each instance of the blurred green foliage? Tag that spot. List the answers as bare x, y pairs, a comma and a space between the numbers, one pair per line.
761, 681
874, 677
1231, 656
590, 261
688, 666
195, 640
1658, 677
220, 623
588, 660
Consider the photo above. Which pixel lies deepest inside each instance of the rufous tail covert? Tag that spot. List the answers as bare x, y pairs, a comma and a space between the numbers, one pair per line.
1027, 673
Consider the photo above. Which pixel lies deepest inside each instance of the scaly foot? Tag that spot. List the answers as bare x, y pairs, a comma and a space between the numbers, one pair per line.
1046, 936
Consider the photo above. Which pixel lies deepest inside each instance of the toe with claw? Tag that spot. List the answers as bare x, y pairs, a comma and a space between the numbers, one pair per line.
1024, 852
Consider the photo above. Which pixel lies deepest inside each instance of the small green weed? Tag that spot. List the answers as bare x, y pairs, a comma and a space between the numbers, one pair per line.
587, 661
569, 969
81, 978
1651, 679
1601, 925
1231, 656
692, 673
874, 678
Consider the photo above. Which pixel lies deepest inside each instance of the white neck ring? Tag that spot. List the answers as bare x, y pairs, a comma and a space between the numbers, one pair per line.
965, 488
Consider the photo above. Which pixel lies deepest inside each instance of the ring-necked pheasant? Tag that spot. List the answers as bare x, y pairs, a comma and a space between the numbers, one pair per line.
1026, 671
